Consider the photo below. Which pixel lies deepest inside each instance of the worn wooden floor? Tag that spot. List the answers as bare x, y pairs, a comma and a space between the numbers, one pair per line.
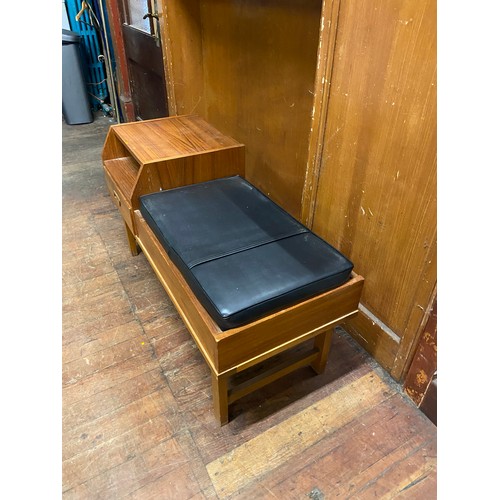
137, 415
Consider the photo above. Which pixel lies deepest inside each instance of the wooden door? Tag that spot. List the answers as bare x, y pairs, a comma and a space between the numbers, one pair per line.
373, 191
144, 59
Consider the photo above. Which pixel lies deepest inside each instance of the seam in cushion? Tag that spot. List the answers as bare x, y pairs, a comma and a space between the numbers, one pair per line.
218, 256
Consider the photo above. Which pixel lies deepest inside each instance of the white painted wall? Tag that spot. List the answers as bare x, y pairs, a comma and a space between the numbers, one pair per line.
65, 22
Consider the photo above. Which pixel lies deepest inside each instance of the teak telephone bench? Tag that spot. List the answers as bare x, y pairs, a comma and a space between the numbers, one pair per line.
248, 280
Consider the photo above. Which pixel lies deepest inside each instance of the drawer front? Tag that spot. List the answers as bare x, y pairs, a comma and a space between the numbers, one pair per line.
120, 201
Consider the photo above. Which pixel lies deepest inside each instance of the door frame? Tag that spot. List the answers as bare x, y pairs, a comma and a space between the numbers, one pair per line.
116, 20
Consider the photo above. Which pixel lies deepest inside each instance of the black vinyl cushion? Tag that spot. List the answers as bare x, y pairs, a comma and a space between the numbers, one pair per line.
242, 255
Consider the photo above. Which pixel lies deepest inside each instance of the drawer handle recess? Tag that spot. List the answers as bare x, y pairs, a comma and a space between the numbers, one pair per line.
117, 198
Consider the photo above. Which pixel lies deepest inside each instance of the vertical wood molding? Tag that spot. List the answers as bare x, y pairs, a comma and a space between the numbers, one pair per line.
181, 29
124, 96
324, 70
166, 47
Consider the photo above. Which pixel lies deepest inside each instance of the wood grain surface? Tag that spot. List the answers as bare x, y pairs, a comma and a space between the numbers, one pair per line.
250, 68
376, 196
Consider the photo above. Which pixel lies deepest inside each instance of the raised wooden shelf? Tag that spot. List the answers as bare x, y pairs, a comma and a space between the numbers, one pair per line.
151, 155
123, 172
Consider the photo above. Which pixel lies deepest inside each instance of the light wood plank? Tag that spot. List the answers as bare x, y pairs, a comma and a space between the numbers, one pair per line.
287, 440
346, 461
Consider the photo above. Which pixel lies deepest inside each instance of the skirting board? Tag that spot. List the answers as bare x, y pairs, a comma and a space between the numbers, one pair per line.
370, 334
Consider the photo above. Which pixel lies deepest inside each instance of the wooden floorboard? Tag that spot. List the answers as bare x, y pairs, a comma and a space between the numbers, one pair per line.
137, 414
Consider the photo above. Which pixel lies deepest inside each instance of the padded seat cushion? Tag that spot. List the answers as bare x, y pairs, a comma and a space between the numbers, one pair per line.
242, 255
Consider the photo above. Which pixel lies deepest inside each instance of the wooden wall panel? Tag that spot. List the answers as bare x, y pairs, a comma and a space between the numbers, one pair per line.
259, 65
376, 186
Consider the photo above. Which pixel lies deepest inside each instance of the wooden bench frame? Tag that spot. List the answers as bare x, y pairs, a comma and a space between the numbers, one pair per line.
228, 352
151, 155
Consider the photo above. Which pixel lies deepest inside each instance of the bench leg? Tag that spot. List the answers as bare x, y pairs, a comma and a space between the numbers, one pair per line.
134, 248
219, 395
322, 342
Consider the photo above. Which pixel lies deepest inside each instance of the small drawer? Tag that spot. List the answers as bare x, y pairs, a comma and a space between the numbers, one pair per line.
120, 201
112, 190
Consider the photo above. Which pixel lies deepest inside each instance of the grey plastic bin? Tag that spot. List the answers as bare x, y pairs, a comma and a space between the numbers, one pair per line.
75, 103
